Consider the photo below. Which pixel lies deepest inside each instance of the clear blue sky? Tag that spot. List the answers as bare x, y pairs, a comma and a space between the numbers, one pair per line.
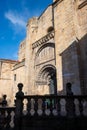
14, 15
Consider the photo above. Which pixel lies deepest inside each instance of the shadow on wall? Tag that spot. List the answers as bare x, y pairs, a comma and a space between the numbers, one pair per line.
74, 66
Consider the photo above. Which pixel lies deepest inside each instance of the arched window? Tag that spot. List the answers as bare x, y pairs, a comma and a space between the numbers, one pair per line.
14, 77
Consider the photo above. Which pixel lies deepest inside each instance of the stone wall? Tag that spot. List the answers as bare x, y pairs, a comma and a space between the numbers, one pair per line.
19, 72
21, 52
64, 39
36, 29
81, 34
69, 25
6, 76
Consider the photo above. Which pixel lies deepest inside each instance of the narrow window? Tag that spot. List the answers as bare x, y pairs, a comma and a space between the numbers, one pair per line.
14, 77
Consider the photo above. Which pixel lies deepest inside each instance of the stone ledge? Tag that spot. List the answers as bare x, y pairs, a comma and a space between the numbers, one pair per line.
8, 61
19, 65
45, 62
4, 79
41, 82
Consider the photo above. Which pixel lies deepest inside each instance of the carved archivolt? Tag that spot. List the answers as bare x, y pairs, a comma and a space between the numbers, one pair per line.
45, 72
45, 53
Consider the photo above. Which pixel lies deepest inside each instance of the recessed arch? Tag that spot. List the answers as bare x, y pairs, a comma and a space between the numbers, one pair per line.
45, 53
47, 74
44, 46
47, 68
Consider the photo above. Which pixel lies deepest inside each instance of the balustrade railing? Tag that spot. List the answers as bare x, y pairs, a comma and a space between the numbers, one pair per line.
69, 107
42, 106
50, 105
7, 117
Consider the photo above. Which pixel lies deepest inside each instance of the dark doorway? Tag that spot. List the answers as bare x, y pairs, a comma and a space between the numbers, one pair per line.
48, 74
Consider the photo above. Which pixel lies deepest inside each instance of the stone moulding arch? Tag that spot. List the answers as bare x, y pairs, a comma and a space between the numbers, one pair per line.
44, 46
45, 71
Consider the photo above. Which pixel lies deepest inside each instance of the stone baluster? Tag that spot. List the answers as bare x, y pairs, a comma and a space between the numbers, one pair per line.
63, 107
3, 116
8, 118
47, 107
39, 103
51, 104
28, 105
40, 109
43, 105
12, 125
85, 107
25, 112
58, 106
80, 107
76, 102
36, 105
54, 102
54, 106
2, 119
32, 111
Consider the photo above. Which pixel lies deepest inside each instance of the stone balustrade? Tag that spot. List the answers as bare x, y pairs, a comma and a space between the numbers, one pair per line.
42, 107
51, 105
49, 108
7, 115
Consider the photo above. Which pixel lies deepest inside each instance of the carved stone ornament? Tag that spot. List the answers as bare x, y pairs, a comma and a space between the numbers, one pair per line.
55, 113
25, 112
40, 112
47, 112
32, 112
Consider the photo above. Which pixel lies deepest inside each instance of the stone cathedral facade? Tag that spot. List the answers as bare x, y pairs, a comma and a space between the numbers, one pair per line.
53, 53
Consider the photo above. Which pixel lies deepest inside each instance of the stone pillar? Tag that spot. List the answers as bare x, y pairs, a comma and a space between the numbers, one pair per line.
32, 24
19, 100
19, 107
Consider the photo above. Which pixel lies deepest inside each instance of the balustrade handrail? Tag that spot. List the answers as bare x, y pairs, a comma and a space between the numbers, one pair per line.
7, 108
56, 96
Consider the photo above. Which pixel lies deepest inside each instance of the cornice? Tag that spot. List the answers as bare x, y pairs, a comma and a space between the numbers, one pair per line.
21, 64
8, 61
43, 40
41, 82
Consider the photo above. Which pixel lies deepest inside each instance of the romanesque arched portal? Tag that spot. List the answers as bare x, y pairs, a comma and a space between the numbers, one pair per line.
47, 78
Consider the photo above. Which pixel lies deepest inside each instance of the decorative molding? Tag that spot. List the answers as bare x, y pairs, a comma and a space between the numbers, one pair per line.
82, 4
45, 62
5, 79
43, 40
8, 61
41, 82
21, 64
